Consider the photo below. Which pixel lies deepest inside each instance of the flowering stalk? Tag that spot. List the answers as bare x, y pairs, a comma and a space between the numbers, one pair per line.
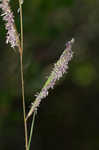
59, 69
13, 39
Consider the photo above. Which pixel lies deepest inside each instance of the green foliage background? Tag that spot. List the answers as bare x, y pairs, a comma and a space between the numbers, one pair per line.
69, 117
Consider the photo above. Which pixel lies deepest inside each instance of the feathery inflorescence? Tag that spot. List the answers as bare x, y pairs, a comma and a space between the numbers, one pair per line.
12, 36
59, 69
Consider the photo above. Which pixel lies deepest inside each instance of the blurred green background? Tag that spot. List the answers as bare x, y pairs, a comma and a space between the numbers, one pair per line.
69, 117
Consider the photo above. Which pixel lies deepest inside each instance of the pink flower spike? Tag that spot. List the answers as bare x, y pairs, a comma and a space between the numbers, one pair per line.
12, 37
60, 67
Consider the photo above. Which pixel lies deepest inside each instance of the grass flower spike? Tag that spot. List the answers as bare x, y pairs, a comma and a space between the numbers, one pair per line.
59, 69
12, 36
13, 39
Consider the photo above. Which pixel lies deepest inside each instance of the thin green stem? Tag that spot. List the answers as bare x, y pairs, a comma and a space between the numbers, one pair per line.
31, 131
23, 101
22, 78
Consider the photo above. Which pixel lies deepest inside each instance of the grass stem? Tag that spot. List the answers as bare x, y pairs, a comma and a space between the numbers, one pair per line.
22, 77
31, 131
23, 102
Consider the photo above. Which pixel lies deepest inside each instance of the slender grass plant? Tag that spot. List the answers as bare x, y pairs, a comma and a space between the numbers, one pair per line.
16, 42
13, 39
